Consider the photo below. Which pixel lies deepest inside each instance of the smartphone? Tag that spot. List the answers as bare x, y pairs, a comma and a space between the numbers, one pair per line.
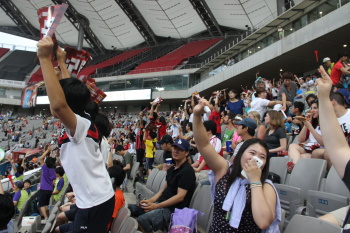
259, 162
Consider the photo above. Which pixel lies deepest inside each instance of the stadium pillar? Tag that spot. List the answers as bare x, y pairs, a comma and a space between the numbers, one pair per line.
80, 37
280, 4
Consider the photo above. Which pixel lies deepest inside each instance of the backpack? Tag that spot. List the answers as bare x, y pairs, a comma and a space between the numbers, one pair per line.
33, 209
184, 220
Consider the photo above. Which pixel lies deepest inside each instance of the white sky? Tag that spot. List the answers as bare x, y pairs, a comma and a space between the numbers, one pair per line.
16, 40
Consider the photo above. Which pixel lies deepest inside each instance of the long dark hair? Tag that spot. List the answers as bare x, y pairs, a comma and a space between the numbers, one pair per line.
314, 121
236, 168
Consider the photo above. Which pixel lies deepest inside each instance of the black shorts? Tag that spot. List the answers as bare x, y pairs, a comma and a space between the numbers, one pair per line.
44, 197
140, 154
70, 214
92, 220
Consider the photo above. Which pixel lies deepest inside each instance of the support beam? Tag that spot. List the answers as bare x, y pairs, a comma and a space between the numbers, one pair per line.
137, 19
21, 21
204, 12
77, 19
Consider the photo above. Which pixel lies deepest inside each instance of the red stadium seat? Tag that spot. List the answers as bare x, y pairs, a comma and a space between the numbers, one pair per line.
173, 59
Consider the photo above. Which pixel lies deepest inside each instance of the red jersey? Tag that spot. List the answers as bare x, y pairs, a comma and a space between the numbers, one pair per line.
336, 72
215, 116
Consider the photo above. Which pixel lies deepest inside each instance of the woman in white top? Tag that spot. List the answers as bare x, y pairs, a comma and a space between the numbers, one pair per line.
310, 133
260, 102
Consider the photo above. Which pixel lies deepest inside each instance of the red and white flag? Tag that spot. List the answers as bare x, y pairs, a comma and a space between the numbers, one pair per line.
76, 60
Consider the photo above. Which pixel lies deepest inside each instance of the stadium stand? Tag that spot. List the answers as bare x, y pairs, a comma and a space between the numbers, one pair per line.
300, 223
38, 75
306, 175
3, 51
217, 47
17, 65
112, 61
149, 55
334, 196
173, 59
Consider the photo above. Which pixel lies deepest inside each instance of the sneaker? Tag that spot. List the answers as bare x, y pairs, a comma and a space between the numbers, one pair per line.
290, 166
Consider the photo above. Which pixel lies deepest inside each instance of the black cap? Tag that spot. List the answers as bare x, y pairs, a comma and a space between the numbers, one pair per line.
166, 139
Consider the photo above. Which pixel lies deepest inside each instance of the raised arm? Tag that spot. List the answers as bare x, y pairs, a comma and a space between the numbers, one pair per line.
42, 157
61, 59
333, 136
212, 158
58, 103
216, 104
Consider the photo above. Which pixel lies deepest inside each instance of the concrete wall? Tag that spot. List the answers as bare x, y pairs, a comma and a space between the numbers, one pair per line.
320, 27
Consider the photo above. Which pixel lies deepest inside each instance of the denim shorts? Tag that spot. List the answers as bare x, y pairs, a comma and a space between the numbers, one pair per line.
151, 221
149, 162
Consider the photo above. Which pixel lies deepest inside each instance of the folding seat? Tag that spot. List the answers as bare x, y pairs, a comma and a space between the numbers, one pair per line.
130, 226
302, 224
142, 190
118, 222
158, 181
334, 196
133, 173
158, 157
201, 201
278, 165
47, 228
306, 175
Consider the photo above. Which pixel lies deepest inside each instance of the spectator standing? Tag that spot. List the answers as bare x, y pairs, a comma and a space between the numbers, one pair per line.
234, 104
48, 175
339, 67
79, 154
288, 90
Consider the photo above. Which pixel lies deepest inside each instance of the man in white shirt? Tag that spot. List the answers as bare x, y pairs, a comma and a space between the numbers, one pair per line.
343, 115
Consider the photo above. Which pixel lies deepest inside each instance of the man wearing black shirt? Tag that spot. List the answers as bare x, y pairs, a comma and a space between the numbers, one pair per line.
155, 213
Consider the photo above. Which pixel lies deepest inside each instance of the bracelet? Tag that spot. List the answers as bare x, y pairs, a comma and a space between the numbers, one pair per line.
255, 183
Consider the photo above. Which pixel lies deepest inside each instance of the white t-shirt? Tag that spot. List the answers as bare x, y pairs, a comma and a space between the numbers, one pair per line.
175, 130
312, 138
310, 83
216, 143
82, 161
104, 149
344, 122
259, 105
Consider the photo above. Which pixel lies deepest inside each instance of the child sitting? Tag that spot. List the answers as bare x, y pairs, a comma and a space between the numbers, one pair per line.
20, 197
118, 175
59, 183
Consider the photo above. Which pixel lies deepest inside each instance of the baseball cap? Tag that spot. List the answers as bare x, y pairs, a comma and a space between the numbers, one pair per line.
166, 139
19, 184
345, 94
248, 122
326, 59
182, 144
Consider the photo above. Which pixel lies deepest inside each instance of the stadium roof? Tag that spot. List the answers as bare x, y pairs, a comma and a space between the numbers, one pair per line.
120, 24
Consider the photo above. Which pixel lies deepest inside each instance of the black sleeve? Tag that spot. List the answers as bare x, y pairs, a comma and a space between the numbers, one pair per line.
187, 180
281, 133
346, 177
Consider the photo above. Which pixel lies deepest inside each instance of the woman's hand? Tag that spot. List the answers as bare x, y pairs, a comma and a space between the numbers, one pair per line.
252, 170
199, 108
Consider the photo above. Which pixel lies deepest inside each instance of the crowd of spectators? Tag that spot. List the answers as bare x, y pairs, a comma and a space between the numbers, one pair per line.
209, 140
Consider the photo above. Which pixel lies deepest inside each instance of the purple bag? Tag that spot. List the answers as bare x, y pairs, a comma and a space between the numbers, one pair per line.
184, 220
